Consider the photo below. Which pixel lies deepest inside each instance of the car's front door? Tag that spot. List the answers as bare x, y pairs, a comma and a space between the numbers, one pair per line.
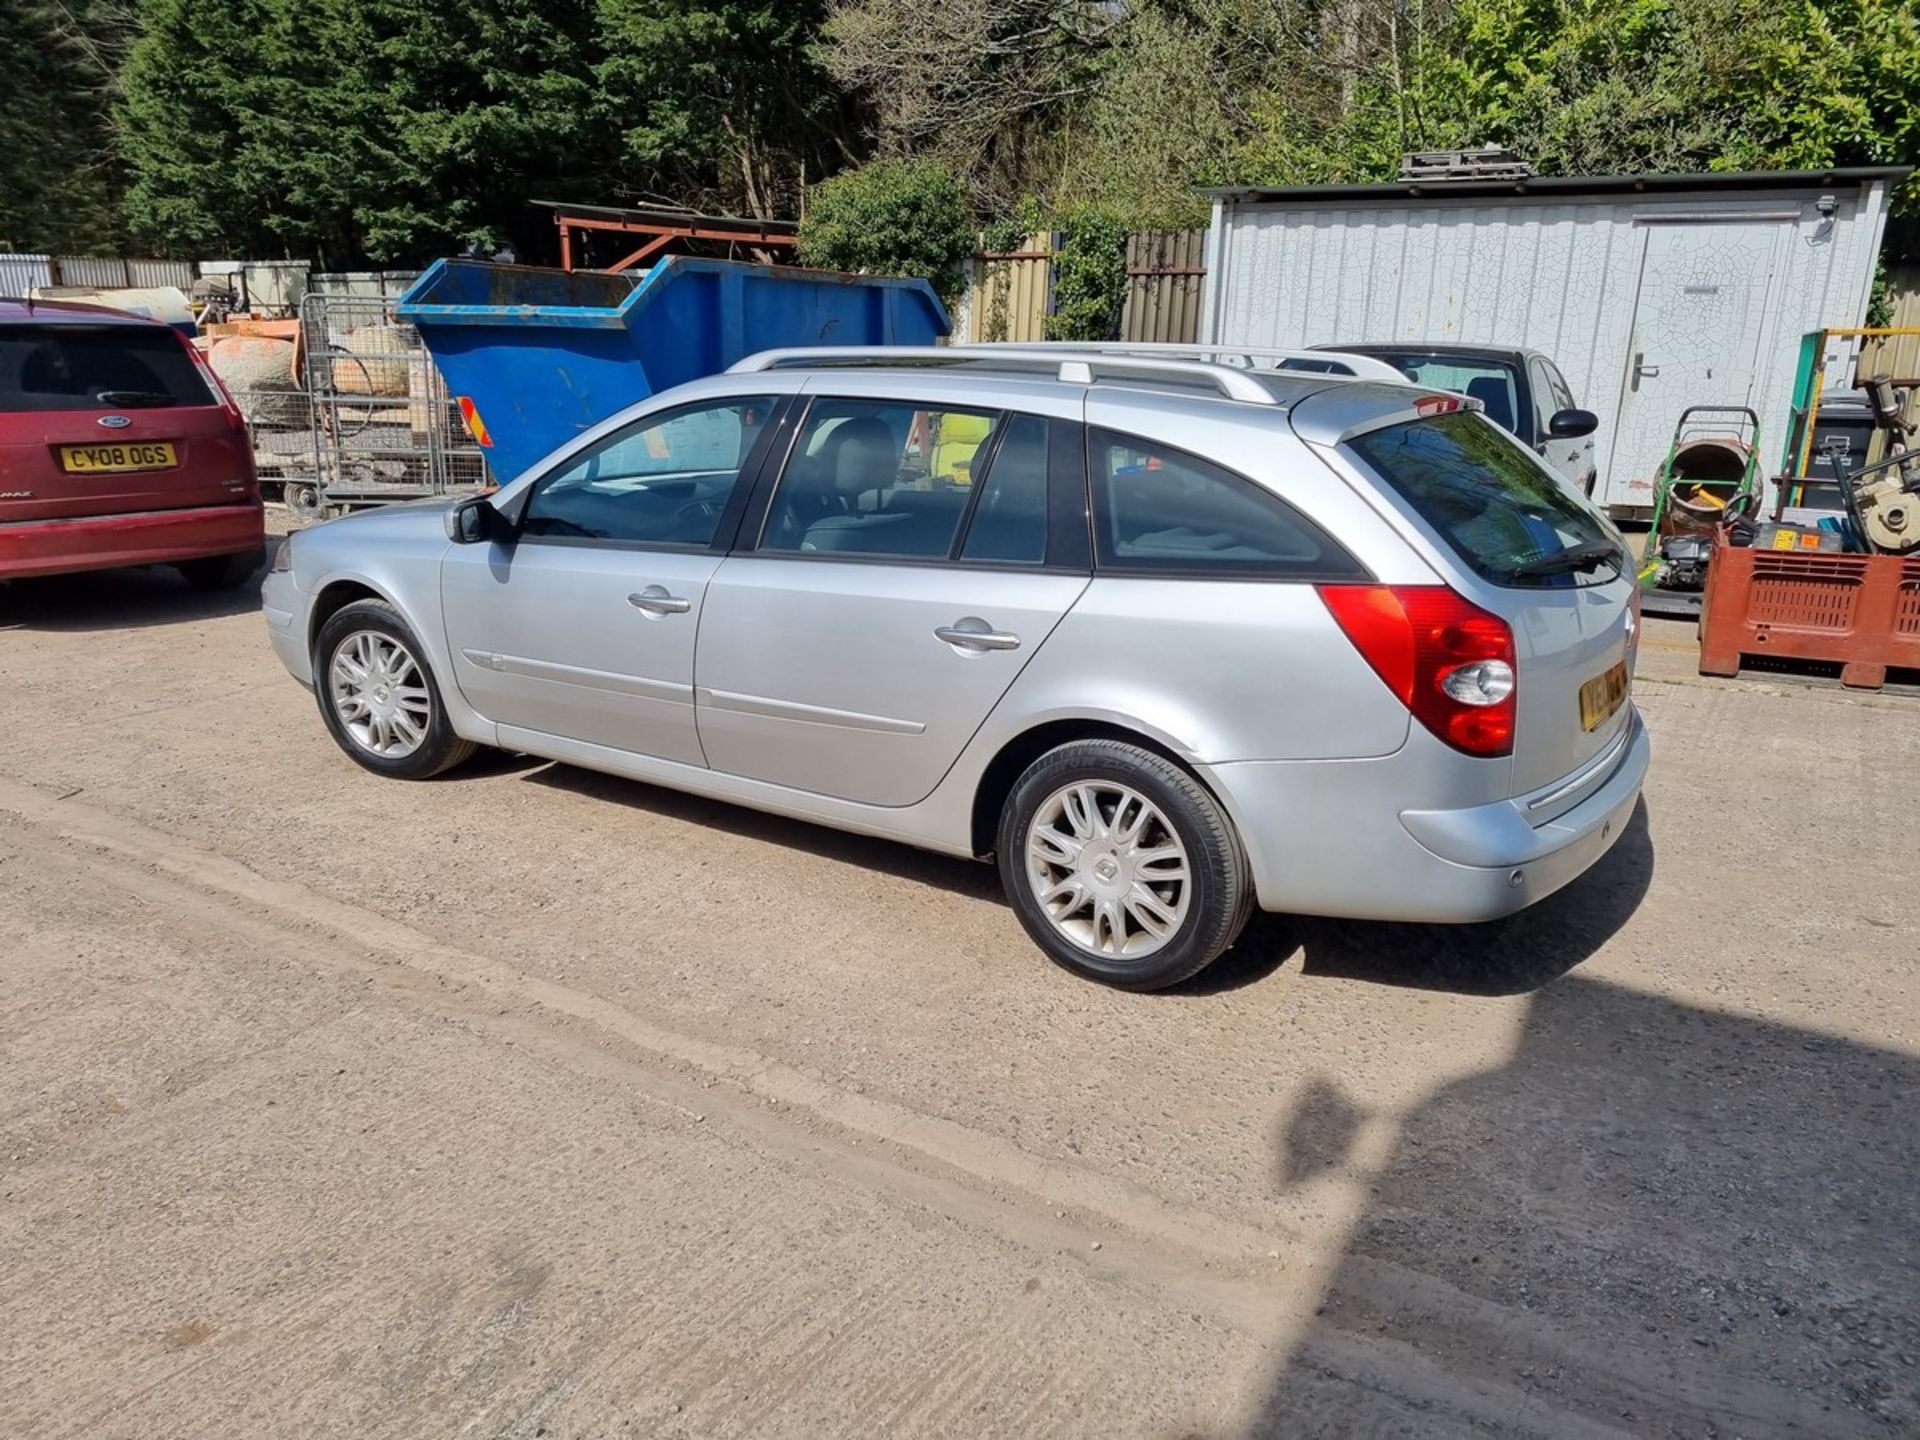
914, 556
1571, 456
582, 625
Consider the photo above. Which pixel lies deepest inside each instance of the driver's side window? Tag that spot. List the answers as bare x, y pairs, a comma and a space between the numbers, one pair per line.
663, 480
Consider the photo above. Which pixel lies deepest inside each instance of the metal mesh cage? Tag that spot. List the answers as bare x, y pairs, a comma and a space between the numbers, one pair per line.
382, 425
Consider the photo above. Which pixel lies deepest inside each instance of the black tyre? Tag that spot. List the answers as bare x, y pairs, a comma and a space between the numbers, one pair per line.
1121, 866
380, 702
220, 572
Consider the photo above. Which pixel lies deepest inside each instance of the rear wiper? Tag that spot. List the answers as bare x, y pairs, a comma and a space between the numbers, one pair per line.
1575, 557
134, 399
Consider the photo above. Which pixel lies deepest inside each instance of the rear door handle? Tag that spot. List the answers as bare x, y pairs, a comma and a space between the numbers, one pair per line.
975, 634
654, 601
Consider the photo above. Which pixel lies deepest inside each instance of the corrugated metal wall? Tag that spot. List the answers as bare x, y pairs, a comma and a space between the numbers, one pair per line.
1164, 270
1558, 275
149, 274
1009, 294
1011, 291
94, 272
1898, 355
22, 274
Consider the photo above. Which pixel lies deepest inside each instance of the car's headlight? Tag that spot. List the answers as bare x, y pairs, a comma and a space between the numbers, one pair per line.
283, 557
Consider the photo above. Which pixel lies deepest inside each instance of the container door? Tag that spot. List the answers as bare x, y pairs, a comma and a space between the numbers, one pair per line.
911, 563
583, 626
1698, 326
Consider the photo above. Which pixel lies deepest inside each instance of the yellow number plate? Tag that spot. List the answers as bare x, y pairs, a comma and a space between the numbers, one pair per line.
1602, 695
106, 459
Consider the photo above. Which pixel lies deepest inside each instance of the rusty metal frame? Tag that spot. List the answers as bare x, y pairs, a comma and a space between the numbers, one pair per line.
762, 234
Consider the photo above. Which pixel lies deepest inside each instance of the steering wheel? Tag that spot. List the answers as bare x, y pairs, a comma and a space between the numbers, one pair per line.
698, 510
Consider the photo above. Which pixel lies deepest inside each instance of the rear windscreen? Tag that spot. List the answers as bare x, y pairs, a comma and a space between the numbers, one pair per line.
1493, 383
106, 367
1504, 515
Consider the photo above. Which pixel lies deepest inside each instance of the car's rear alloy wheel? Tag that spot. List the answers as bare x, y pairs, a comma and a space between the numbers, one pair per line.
1108, 870
378, 696
1121, 865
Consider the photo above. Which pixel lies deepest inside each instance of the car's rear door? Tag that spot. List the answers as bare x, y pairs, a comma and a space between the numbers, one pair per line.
110, 418
913, 556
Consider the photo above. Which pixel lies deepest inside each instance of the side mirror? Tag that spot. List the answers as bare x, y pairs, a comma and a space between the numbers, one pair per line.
1572, 424
474, 521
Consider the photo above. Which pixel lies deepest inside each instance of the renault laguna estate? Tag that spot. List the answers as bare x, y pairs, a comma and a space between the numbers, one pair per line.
1165, 639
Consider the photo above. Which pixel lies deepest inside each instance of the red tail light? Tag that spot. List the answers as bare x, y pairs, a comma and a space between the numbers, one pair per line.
1449, 661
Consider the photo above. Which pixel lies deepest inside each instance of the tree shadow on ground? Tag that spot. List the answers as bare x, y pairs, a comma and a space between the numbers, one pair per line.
1653, 1218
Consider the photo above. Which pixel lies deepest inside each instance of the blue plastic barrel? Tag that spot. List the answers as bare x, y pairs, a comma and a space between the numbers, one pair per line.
540, 355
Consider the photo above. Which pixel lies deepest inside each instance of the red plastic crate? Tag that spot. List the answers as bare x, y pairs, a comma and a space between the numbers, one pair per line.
1862, 611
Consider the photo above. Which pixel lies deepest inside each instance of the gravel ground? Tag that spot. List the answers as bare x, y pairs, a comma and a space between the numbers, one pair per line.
532, 1102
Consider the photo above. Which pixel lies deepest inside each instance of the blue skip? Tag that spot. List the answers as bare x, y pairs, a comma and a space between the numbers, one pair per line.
535, 356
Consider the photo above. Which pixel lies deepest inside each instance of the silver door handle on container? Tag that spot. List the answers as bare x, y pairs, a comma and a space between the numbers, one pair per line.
656, 601
1642, 370
978, 639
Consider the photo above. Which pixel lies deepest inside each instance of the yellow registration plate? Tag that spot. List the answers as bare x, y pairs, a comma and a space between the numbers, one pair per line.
106, 459
1602, 695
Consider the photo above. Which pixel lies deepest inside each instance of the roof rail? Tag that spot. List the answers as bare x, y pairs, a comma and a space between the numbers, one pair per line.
1317, 361
1071, 365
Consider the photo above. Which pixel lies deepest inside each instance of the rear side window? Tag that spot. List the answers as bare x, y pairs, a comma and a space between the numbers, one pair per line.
104, 367
1157, 508
1507, 518
1009, 522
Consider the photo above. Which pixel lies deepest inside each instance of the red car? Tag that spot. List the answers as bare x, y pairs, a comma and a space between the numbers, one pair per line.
118, 446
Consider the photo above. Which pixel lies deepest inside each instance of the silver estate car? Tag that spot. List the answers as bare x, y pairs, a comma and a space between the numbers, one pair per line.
1168, 639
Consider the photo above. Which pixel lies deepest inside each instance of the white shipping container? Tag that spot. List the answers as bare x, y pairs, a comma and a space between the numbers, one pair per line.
1651, 293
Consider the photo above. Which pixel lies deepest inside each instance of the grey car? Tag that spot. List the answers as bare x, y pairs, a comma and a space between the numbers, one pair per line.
1168, 640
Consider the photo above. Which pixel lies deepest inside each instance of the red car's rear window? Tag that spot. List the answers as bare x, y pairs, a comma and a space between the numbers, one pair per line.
104, 367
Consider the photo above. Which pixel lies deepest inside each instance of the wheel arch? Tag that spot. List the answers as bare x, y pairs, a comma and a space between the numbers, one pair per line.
997, 779
333, 597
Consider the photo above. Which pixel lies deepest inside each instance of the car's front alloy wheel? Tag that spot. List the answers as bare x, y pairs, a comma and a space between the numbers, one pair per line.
378, 697
380, 694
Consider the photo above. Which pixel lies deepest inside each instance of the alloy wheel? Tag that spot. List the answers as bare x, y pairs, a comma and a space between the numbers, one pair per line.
1110, 873
380, 694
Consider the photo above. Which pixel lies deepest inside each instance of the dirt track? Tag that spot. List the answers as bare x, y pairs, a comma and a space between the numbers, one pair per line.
531, 1102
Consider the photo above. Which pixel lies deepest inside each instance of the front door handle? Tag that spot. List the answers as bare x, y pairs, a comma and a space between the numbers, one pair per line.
654, 601
975, 634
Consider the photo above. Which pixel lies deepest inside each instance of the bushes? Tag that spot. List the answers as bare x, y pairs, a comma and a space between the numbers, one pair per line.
895, 217
891, 217
1089, 275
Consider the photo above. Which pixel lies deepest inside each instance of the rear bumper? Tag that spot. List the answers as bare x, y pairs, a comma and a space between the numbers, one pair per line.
150, 537
1330, 838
